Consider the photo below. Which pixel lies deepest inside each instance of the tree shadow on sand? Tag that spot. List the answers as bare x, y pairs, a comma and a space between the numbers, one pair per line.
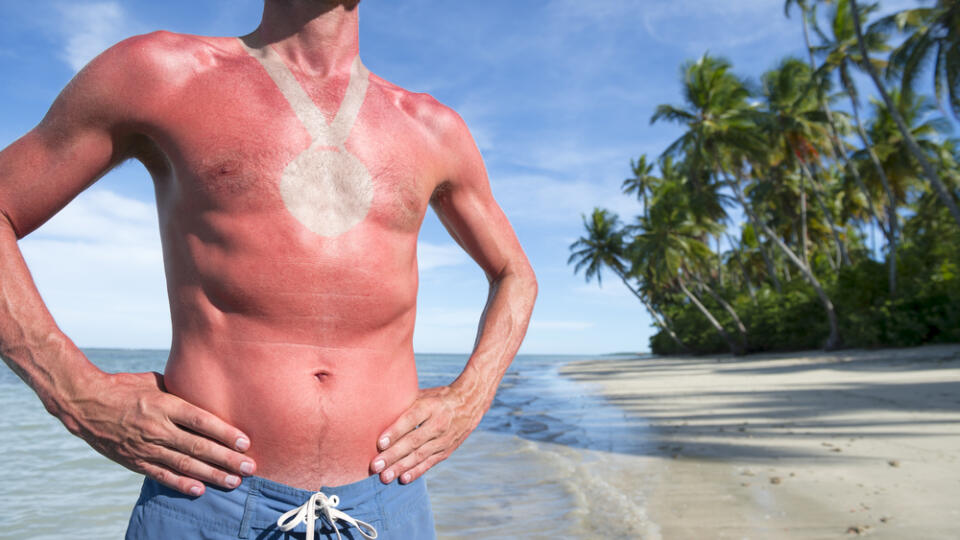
798, 423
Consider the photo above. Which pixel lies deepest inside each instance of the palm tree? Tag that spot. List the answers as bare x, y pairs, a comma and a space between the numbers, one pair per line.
667, 245
833, 340
939, 187
603, 246
896, 158
804, 15
927, 130
842, 53
797, 127
716, 114
934, 35
734, 254
642, 182
837, 145
722, 136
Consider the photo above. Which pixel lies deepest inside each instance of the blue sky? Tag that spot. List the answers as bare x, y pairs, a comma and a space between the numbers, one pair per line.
558, 95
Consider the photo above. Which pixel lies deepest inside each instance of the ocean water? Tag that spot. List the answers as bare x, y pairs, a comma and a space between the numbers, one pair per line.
550, 459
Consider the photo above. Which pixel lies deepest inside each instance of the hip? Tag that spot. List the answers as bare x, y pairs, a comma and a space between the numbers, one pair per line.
254, 508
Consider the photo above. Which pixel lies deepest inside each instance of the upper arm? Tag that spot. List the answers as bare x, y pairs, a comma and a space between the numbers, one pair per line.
80, 138
465, 205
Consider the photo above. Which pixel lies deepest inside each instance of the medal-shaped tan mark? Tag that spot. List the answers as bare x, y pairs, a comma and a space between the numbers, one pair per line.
326, 187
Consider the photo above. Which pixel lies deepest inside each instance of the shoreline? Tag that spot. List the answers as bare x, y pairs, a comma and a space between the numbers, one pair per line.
793, 445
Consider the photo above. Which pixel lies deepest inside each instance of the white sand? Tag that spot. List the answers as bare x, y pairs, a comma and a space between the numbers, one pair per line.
803, 445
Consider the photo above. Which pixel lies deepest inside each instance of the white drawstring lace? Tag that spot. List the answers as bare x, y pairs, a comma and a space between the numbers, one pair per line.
307, 513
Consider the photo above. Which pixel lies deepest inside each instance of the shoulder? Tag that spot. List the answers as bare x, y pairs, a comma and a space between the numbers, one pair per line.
443, 131
130, 85
160, 58
139, 69
434, 119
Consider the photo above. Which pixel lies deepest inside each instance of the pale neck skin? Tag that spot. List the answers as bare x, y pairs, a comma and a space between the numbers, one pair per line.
319, 37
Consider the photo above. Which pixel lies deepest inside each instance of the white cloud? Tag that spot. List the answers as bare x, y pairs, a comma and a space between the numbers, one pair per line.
561, 325
103, 217
606, 289
448, 317
543, 200
99, 266
696, 25
445, 329
89, 28
576, 13
430, 256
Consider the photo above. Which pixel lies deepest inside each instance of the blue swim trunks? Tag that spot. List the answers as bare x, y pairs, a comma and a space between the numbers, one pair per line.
364, 509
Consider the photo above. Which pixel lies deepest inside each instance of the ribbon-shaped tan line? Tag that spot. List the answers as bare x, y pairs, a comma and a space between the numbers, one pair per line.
326, 187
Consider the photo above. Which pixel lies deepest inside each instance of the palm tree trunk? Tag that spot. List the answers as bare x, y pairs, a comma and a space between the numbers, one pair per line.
892, 258
653, 313
743, 269
838, 148
729, 309
806, 38
817, 188
719, 262
734, 348
939, 187
833, 341
891, 199
767, 259
803, 220
834, 262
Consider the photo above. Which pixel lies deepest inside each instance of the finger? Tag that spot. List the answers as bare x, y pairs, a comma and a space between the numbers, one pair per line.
411, 460
206, 423
194, 468
403, 447
215, 454
408, 421
421, 468
174, 481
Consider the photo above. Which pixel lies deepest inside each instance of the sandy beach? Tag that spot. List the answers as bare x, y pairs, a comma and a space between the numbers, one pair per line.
801, 445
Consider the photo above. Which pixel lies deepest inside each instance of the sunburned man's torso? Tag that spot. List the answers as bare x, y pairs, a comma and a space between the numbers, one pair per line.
292, 293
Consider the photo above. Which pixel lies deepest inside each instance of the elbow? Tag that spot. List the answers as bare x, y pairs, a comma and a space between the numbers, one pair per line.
530, 282
7, 222
524, 277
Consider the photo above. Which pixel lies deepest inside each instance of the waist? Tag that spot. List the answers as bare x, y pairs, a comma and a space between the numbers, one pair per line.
313, 414
252, 508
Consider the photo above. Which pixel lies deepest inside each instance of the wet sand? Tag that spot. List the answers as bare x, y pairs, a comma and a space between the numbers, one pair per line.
802, 445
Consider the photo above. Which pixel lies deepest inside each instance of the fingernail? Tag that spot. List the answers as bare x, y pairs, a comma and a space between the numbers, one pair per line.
246, 467
232, 481
384, 443
405, 478
388, 477
196, 491
378, 465
242, 444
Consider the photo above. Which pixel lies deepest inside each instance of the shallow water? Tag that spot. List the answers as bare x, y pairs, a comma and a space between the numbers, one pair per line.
549, 460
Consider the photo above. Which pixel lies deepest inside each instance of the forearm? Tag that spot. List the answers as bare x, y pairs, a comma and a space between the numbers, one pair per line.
30, 341
502, 328
442, 417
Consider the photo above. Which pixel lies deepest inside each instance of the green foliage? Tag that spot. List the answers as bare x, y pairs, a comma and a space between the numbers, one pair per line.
802, 270
926, 308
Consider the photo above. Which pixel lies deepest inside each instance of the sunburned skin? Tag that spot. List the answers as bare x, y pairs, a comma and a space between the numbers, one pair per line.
293, 290
290, 252
326, 187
